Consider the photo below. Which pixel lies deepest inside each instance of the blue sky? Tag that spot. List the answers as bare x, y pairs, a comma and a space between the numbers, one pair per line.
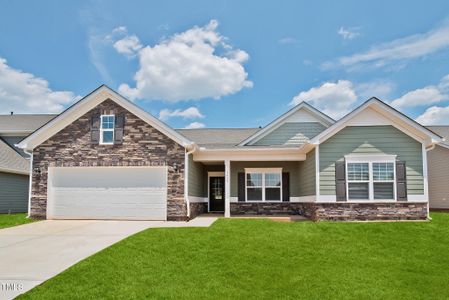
227, 63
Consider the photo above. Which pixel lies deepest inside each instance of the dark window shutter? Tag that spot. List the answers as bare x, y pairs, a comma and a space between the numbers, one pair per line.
340, 180
401, 181
95, 128
119, 128
285, 187
241, 186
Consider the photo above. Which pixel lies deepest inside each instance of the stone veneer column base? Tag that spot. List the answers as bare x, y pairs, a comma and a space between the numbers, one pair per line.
197, 208
336, 211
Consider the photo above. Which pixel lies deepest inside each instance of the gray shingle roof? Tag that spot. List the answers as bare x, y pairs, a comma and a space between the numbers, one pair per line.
441, 130
217, 137
23, 122
11, 160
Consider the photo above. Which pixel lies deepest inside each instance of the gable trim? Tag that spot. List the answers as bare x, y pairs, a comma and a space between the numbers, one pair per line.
89, 102
408, 125
326, 120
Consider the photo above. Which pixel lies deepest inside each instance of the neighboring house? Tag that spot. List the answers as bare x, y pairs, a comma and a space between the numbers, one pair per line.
438, 159
106, 158
14, 167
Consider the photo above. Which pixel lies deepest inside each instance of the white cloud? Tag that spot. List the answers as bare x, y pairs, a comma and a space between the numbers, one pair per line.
397, 51
377, 88
435, 115
195, 125
129, 45
424, 96
349, 33
334, 99
338, 98
120, 30
288, 40
191, 65
420, 97
188, 113
23, 92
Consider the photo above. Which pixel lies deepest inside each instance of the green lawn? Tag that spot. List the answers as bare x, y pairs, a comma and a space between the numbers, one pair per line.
13, 220
250, 259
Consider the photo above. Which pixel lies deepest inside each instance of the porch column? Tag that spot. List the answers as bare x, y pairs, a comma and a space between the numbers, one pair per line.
227, 213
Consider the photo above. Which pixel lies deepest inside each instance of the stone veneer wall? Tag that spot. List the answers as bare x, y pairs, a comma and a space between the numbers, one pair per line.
370, 211
336, 211
197, 208
142, 145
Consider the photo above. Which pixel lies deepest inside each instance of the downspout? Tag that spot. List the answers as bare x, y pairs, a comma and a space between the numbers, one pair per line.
432, 146
30, 181
186, 175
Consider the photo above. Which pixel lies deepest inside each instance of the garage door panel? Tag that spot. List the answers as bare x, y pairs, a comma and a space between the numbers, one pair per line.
76, 194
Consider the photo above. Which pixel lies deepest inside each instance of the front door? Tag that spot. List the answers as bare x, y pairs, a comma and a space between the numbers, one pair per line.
216, 193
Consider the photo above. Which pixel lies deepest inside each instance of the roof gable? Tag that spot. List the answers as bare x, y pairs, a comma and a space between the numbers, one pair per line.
301, 113
375, 112
11, 161
89, 102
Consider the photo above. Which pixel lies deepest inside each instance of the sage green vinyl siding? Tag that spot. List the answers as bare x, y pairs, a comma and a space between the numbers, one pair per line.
196, 179
307, 175
291, 133
371, 140
291, 167
13, 193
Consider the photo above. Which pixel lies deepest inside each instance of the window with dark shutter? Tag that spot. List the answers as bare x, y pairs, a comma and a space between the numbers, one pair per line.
285, 187
119, 128
401, 181
241, 186
95, 128
340, 180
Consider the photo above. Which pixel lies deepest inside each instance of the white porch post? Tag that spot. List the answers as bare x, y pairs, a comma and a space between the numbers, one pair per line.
227, 213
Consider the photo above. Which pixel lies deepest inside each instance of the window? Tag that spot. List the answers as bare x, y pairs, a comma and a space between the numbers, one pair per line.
358, 181
370, 180
383, 180
263, 185
107, 129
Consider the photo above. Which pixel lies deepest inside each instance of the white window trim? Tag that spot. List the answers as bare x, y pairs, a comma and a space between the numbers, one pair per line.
370, 159
263, 171
108, 129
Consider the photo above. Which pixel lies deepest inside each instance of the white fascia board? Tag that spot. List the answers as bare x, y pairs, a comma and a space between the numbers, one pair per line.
278, 122
400, 121
86, 104
250, 155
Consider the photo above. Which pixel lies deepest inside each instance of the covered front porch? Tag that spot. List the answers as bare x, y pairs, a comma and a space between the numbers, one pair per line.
251, 185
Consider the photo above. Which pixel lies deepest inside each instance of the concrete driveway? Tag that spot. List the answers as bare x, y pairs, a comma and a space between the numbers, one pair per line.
35, 252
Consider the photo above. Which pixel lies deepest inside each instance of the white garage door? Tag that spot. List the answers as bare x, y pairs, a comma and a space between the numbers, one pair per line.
124, 193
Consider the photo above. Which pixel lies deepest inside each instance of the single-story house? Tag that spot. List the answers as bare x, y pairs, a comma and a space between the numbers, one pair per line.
14, 165
106, 158
439, 170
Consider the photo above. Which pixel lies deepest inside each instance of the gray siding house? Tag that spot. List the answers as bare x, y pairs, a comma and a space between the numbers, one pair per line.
438, 162
106, 158
14, 165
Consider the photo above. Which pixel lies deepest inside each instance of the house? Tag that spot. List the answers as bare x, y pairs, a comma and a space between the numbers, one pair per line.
14, 166
438, 162
106, 158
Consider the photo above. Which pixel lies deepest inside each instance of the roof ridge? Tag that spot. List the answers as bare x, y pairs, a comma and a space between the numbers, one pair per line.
30, 114
219, 128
